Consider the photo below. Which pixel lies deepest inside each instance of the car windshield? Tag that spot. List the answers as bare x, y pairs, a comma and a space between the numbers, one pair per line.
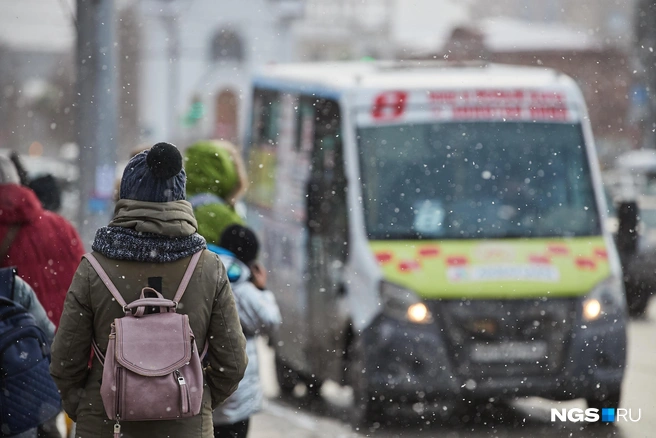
476, 180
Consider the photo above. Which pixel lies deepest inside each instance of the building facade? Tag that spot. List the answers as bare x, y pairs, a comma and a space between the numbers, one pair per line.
609, 20
196, 60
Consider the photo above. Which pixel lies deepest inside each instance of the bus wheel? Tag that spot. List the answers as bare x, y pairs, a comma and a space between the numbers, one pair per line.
365, 410
611, 400
313, 386
287, 377
638, 304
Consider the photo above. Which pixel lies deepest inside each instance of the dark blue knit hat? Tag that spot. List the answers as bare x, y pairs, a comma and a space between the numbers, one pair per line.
155, 175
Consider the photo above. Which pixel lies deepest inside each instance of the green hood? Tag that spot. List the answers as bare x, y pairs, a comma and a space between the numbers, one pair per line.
523, 268
213, 219
173, 219
211, 168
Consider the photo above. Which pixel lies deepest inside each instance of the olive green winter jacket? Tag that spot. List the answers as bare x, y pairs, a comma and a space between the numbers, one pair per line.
90, 309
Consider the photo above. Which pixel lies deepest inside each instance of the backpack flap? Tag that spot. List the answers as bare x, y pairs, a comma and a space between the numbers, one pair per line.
148, 346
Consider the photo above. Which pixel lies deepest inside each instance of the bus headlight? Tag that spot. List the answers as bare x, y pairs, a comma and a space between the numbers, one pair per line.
403, 304
591, 309
607, 297
418, 313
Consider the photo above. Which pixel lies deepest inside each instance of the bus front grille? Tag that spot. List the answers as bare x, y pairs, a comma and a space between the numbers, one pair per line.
506, 338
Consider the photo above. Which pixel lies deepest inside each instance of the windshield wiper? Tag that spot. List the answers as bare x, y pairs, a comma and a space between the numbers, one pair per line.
509, 235
398, 236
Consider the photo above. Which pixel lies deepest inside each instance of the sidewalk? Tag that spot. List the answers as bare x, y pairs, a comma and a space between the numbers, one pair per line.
277, 420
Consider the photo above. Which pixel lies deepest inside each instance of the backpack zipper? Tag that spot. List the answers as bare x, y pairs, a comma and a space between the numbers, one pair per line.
184, 392
118, 397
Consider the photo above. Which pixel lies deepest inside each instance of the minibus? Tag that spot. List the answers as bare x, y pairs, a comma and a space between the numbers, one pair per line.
434, 233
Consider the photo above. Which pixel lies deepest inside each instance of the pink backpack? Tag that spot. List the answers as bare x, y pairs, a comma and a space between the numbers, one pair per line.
152, 369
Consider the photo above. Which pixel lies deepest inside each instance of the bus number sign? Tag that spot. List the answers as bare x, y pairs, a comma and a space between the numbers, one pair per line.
389, 105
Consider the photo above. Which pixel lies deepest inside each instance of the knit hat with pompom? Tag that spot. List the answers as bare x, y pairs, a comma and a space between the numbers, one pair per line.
154, 175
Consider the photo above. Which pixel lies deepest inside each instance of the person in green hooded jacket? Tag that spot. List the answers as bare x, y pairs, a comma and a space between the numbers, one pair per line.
216, 179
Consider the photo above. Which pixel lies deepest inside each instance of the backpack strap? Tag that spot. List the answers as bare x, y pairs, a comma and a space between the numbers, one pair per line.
183, 286
108, 283
187, 276
97, 352
205, 348
117, 296
105, 279
7, 282
12, 232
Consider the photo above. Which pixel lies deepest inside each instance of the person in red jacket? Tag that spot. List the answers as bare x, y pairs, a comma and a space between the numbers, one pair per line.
43, 246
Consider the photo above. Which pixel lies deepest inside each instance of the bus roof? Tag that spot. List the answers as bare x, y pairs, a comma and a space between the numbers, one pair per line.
342, 76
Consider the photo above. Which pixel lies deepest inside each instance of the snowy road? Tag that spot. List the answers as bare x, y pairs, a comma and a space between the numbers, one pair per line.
327, 416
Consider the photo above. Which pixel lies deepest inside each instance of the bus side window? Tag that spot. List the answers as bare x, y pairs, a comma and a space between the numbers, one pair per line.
327, 185
305, 125
268, 127
262, 154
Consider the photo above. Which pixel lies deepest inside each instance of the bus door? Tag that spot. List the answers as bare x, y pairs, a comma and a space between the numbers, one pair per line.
279, 170
327, 240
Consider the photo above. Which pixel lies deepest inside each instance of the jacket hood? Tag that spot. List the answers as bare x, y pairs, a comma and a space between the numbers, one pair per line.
172, 219
18, 204
215, 167
237, 270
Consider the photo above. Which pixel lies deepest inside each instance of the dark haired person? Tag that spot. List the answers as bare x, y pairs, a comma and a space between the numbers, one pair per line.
259, 315
43, 246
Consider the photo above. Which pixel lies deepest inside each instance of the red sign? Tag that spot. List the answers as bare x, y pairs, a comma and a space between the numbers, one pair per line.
389, 105
475, 104
480, 112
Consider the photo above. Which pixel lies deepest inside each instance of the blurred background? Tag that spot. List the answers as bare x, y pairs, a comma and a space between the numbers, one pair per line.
179, 70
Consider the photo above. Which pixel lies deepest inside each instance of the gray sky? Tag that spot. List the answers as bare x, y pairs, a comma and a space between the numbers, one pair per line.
37, 24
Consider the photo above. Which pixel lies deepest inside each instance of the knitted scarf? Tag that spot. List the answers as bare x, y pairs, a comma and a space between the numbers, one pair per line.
150, 232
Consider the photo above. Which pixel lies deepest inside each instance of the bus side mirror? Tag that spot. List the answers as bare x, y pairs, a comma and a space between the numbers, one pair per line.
627, 230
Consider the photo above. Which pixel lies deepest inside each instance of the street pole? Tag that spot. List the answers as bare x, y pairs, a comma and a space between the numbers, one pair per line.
96, 113
83, 108
173, 54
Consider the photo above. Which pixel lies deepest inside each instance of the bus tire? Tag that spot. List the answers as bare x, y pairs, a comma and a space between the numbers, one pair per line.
365, 410
638, 304
287, 377
313, 386
610, 400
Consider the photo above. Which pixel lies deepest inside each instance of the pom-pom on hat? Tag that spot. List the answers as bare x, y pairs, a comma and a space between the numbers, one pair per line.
154, 175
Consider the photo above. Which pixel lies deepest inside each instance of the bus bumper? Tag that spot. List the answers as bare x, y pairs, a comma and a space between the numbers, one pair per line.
412, 363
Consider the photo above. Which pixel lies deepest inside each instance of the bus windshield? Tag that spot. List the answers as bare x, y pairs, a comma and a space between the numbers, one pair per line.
476, 180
